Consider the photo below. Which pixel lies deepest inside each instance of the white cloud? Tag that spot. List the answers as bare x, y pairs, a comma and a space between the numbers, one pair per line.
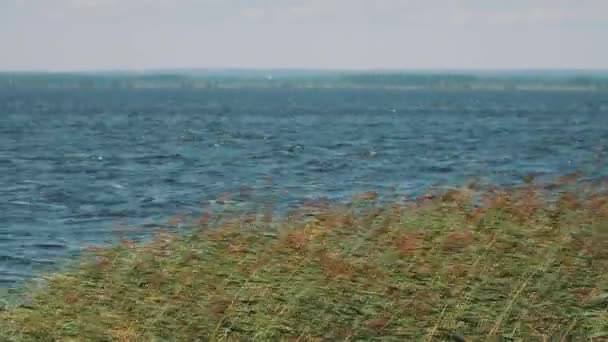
311, 33
545, 14
91, 3
461, 17
302, 11
253, 13
125, 3
527, 16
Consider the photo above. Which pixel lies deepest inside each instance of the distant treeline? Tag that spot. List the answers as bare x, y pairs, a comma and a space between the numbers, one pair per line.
410, 80
434, 80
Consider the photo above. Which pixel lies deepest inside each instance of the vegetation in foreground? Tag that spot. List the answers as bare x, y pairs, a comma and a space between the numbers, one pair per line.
460, 265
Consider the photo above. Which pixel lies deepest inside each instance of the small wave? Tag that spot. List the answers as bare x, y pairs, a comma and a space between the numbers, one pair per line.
15, 260
117, 186
21, 203
322, 166
51, 205
261, 156
79, 221
156, 158
49, 245
27, 181
44, 261
294, 148
440, 169
9, 278
340, 145
77, 155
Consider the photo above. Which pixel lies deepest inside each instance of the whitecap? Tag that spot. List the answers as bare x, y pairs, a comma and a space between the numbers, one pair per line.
58, 206
117, 186
21, 203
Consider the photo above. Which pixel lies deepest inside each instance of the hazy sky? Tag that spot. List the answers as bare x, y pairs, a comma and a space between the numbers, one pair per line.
405, 34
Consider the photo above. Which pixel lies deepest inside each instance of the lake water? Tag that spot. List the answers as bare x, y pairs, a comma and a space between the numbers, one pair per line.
75, 164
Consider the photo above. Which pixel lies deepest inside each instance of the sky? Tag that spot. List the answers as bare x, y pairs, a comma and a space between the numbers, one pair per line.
71, 35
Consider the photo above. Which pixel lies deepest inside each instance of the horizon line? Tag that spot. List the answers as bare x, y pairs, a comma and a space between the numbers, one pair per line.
305, 69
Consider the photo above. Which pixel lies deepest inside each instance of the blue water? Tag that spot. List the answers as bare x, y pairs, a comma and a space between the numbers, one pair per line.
75, 164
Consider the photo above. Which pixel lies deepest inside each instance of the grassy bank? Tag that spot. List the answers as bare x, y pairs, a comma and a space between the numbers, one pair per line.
516, 265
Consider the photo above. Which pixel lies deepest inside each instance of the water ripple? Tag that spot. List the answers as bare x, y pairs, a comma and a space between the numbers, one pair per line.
74, 164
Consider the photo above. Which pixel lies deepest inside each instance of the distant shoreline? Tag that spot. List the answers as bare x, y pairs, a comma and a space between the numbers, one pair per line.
495, 81
328, 87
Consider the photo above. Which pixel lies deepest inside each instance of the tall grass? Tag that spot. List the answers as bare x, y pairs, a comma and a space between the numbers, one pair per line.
464, 264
